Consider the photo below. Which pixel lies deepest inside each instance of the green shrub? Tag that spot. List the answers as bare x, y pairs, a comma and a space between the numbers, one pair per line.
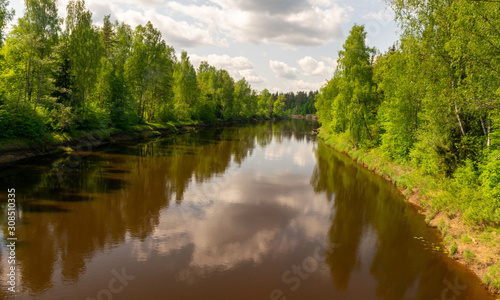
93, 118
23, 123
469, 255
60, 118
453, 248
424, 158
492, 277
490, 186
466, 239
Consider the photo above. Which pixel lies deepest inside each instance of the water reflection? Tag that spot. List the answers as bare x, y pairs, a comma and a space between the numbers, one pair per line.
376, 231
218, 214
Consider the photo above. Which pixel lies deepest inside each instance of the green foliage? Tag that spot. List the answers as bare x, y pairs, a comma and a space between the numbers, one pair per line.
352, 106
492, 276
453, 248
23, 123
490, 187
265, 104
466, 239
59, 118
431, 102
300, 103
5, 16
186, 89
94, 118
278, 106
469, 255
85, 50
399, 112
85, 77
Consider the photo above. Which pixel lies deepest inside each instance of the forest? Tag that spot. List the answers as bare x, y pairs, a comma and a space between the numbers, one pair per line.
85, 77
430, 103
426, 115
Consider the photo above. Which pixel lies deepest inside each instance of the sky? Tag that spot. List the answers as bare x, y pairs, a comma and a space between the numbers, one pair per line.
281, 45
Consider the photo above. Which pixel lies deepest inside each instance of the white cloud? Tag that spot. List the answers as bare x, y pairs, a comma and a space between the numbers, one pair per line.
332, 62
99, 9
301, 85
312, 67
283, 70
143, 2
252, 77
237, 66
323, 3
256, 21
274, 7
384, 15
178, 33
231, 64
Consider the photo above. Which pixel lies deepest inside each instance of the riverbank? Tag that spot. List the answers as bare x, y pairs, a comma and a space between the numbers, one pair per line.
475, 246
15, 149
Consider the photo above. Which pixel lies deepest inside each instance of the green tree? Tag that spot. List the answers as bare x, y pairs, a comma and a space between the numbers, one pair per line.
243, 101
278, 106
185, 88
86, 49
150, 69
401, 88
5, 16
37, 34
208, 85
264, 110
225, 94
354, 107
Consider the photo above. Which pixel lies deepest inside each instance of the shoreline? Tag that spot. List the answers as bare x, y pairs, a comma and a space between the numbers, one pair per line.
452, 229
19, 148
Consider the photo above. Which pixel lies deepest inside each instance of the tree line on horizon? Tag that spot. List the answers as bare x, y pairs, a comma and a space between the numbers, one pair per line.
432, 101
86, 77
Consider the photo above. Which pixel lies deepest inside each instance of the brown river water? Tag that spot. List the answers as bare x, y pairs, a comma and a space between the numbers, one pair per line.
255, 211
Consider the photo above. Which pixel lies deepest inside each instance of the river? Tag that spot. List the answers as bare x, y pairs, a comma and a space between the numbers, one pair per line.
254, 211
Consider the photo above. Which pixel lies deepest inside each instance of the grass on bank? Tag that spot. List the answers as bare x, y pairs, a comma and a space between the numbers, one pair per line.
103, 134
467, 229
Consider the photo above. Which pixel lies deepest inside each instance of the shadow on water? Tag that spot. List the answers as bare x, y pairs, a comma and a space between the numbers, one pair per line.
123, 206
380, 237
99, 198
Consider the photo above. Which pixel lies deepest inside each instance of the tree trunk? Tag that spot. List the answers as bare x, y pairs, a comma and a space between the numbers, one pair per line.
486, 130
364, 121
416, 119
19, 96
367, 131
40, 79
482, 125
83, 102
458, 118
143, 107
456, 109
488, 142
28, 79
140, 106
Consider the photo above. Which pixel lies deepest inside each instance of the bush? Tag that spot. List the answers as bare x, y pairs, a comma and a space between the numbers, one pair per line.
60, 118
492, 277
490, 186
93, 118
469, 256
453, 248
23, 123
424, 158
